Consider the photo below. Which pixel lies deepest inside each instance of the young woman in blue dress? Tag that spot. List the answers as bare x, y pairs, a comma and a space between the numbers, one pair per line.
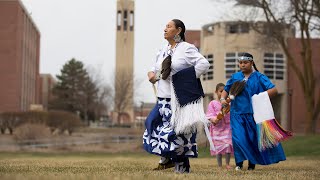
244, 134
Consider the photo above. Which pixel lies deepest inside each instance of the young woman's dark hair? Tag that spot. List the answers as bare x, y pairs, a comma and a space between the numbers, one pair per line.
255, 67
247, 55
180, 24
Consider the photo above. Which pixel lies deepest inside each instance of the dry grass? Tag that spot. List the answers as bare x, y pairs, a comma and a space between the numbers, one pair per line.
103, 161
139, 166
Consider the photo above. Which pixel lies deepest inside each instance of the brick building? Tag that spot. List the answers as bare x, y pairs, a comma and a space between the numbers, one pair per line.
19, 57
193, 37
47, 82
296, 104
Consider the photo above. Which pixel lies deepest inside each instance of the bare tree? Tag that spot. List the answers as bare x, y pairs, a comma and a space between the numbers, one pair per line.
123, 95
104, 98
304, 14
88, 97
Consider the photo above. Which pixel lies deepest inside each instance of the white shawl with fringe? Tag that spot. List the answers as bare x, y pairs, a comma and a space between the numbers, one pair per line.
186, 119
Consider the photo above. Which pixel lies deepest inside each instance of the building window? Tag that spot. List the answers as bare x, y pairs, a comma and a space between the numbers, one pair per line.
209, 30
131, 20
209, 74
233, 28
274, 65
238, 28
125, 20
231, 63
119, 20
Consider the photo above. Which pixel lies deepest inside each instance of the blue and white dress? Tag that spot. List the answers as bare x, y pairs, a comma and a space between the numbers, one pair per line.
159, 137
244, 134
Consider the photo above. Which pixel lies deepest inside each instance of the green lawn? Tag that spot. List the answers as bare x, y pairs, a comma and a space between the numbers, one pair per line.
302, 146
306, 146
303, 162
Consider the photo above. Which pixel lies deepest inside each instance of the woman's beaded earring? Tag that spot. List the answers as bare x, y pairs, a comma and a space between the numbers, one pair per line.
177, 38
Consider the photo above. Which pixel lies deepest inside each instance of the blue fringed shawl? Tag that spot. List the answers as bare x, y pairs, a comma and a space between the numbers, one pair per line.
188, 88
186, 101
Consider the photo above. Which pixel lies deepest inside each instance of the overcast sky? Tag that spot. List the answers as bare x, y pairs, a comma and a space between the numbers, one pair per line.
85, 30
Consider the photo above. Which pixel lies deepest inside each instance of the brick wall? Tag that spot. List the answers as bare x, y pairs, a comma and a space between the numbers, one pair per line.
19, 57
296, 109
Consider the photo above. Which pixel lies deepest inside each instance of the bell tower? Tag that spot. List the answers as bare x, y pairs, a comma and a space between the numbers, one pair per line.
124, 62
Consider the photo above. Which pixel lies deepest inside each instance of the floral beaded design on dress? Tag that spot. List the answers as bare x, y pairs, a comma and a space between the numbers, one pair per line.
163, 140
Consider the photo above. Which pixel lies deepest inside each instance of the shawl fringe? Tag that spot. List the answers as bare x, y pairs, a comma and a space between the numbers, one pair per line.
188, 118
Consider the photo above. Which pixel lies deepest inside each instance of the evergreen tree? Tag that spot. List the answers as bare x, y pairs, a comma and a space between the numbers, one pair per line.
74, 91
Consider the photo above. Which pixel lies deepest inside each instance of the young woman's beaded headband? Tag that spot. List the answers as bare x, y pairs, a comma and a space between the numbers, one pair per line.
245, 58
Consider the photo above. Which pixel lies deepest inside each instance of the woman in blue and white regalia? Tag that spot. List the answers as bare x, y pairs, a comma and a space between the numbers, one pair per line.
161, 137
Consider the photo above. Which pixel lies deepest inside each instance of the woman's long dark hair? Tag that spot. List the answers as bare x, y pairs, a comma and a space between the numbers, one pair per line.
254, 66
180, 24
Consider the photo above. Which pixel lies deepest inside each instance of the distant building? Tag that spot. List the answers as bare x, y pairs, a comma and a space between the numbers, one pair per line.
141, 113
296, 101
47, 82
193, 37
19, 57
223, 42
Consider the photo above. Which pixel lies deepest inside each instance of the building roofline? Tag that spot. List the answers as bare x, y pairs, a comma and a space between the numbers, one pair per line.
26, 11
231, 22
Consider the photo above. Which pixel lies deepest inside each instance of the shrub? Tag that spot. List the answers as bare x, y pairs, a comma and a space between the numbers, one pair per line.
56, 120
35, 117
9, 120
63, 121
31, 133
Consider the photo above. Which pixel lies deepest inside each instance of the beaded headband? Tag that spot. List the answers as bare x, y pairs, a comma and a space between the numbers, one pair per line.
244, 58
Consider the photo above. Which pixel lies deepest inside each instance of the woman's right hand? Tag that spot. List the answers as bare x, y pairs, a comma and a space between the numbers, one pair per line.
152, 77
